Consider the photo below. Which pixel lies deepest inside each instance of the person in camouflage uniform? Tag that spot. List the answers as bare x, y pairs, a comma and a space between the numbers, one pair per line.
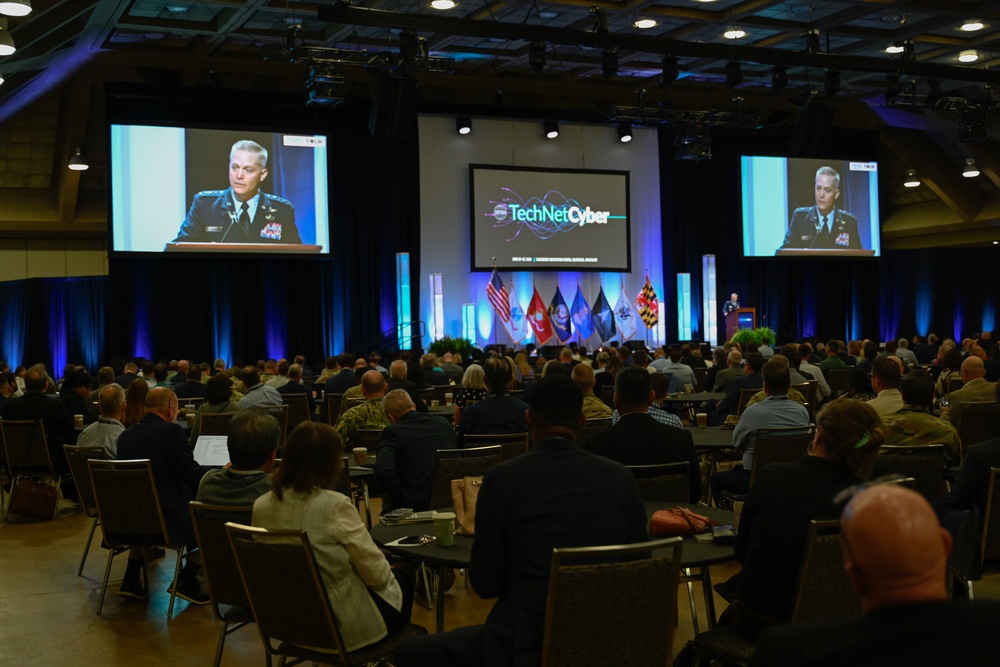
593, 407
368, 415
914, 424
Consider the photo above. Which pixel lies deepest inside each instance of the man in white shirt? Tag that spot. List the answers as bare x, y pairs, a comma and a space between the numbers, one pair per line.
885, 383
805, 352
258, 394
105, 431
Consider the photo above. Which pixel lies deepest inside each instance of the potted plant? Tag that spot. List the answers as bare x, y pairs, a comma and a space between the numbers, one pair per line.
755, 336
460, 346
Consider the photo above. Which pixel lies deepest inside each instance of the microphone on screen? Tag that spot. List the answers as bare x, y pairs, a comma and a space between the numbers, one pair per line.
232, 223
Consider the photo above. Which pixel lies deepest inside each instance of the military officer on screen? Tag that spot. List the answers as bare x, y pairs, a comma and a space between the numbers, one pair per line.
823, 225
242, 213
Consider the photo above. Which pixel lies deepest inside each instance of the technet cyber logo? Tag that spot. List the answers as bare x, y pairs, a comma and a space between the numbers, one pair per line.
545, 216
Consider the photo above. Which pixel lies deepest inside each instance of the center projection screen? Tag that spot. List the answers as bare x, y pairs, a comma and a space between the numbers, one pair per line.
534, 219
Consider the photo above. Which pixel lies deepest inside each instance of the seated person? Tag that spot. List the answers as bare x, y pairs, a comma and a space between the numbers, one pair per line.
473, 390
786, 496
376, 598
913, 424
499, 412
73, 393
253, 440
896, 556
218, 400
751, 380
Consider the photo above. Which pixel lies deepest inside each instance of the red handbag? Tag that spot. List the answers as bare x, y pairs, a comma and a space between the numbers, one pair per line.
678, 521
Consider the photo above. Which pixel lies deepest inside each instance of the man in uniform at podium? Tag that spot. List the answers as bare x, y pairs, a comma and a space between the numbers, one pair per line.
823, 225
731, 305
241, 213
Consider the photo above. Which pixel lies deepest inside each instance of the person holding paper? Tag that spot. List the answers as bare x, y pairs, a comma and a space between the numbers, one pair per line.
242, 213
253, 440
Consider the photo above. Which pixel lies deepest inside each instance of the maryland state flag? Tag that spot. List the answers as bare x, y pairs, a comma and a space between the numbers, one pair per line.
648, 305
560, 316
538, 318
582, 319
604, 317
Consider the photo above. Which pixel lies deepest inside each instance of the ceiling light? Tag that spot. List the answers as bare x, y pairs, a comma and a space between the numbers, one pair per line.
78, 162
463, 124
911, 179
895, 47
972, 25
177, 9
551, 129
536, 57
734, 74
6, 41
670, 70
734, 33
644, 24
970, 170
969, 56
779, 78
624, 132
443, 4
15, 7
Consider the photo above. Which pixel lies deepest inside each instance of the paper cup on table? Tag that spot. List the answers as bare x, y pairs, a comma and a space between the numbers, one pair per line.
78, 421
444, 528
190, 419
702, 418
448, 398
360, 455
689, 389
435, 405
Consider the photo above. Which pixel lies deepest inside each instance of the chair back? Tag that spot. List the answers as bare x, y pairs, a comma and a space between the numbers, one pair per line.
78, 457
953, 384
127, 503
824, 592
978, 421
991, 519
608, 396
298, 410
602, 600
295, 610
809, 390
280, 412
225, 585
663, 482
745, 396
333, 407
214, 423
343, 483
26, 447
367, 437
779, 445
456, 464
837, 380
925, 463
592, 426
512, 444
700, 376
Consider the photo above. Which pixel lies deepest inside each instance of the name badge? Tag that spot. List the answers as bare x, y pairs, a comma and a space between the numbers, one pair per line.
213, 229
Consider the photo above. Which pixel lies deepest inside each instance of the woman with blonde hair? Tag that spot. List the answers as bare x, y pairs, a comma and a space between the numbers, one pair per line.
522, 367
473, 390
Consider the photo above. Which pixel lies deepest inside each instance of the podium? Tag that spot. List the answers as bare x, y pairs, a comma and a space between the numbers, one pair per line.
741, 318
258, 248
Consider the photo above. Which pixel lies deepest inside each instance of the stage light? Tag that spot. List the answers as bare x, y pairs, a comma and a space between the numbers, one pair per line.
624, 132
969, 56
609, 62
412, 47
537, 57
911, 181
464, 124
6, 41
779, 78
812, 41
15, 7
644, 24
78, 162
970, 170
551, 128
970, 25
734, 33
934, 93
894, 48
443, 4
831, 83
734, 74
670, 70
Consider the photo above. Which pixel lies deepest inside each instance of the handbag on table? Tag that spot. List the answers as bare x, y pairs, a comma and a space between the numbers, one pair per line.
676, 521
464, 493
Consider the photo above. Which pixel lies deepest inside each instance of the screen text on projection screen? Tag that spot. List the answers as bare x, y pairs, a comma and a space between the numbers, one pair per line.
536, 219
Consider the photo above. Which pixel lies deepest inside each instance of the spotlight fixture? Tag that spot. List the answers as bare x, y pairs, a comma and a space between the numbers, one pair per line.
779, 78
831, 82
970, 25
812, 41
904, 47
624, 132
969, 56
734, 74
551, 128
537, 56
911, 180
412, 47
734, 33
600, 19
893, 86
325, 84
443, 4
15, 7
934, 93
6, 41
645, 24
78, 162
970, 170
609, 62
463, 124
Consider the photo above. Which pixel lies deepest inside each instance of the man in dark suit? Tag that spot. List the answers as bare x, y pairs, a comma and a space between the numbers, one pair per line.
187, 383
896, 556
407, 451
344, 378
241, 213
499, 412
556, 495
823, 225
750, 380
161, 440
397, 380
125, 379
295, 386
637, 438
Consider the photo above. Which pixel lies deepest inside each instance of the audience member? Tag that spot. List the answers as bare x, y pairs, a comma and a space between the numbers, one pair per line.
256, 394
833, 362
913, 424
368, 415
593, 407
751, 380
281, 378
218, 400
253, 440
950, 365
499, 412
472, 391
294, 385
130, 373
725, 378
659, 384
343, 378
135, 403
975, 389
397, 380
105, 431
805, 351
105, 376
191, 386
680, 374
434, 375
885, 383
75, 389
556, 495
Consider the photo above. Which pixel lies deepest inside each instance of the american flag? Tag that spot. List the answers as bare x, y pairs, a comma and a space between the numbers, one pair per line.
497, 294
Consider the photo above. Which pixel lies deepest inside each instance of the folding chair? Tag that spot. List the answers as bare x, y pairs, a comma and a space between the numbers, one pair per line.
78, 457
27, 452
513, 444
663, 482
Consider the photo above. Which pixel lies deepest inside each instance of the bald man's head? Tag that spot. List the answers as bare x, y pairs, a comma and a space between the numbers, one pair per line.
895, 550
372, 384
162, 401
973, 368
583, 376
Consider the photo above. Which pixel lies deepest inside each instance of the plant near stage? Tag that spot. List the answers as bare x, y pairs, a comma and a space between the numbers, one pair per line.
461, 346
755, 336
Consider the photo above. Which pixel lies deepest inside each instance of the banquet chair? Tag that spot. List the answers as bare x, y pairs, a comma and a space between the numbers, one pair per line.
367, 438
608, 396
978, 421
612, 605
296, 620
130, 516
298, 410
356, 492
214, 423
513, 444
78, 457
663, 482
837, 381
953, 384
745, 396
26, 450
456, 464
779, 445
187, 403
925, 463
594, 426
700, 376
333, 407
823, 593
229, 600
990, 549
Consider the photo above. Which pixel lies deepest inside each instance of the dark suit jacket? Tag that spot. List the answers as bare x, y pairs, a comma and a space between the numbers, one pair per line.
77, 405
341, 382
920, 635
125, 379
213, 217
556, 495
436, 378
802, 232
638, 439
189, 389
56, 418
177, 475
299, 388
406, 456
728, 405
494, 414
411, 389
